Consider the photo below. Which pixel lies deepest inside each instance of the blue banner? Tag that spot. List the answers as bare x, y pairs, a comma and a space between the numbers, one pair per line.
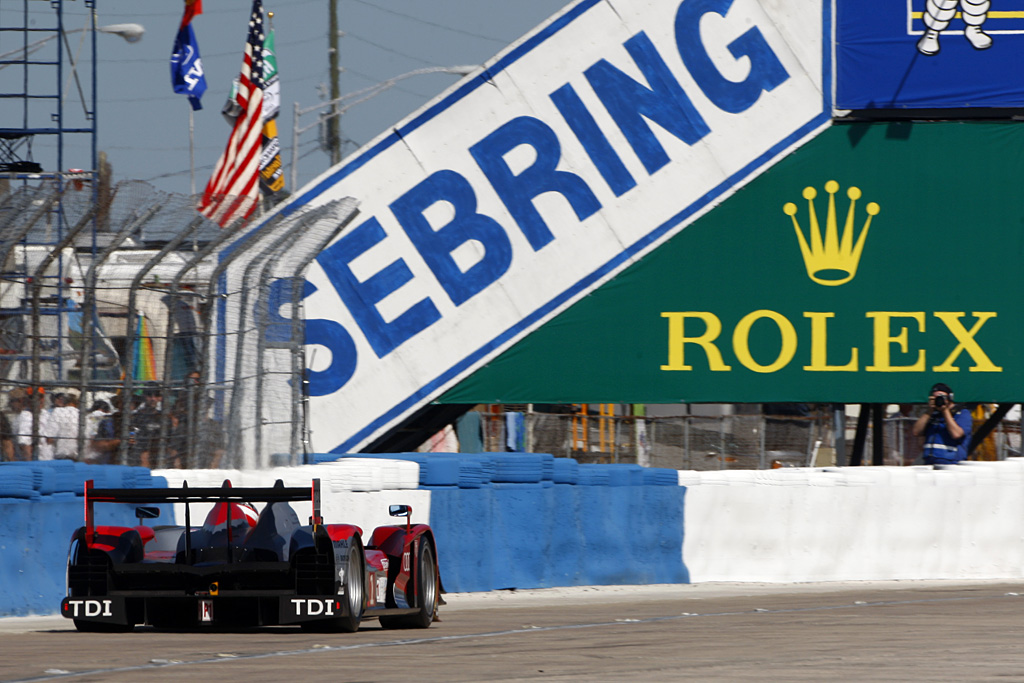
187, 68
925, 54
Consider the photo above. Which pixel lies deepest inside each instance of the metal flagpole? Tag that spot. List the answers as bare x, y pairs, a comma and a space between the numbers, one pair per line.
192, 149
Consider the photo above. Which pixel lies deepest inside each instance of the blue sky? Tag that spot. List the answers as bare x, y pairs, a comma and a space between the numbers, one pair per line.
143, 126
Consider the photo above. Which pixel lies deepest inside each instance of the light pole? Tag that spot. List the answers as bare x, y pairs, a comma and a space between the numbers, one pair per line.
130, 32
342, 104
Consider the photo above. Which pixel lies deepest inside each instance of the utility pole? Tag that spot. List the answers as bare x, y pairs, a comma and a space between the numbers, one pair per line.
333, 125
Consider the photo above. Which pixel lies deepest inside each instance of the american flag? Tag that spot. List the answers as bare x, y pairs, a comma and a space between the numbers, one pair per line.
234, 190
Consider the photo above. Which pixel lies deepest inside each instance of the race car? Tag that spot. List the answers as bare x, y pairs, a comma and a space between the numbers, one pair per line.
246, 568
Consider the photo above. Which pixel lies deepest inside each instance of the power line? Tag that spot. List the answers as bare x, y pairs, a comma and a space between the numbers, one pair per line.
429, 23
391, 50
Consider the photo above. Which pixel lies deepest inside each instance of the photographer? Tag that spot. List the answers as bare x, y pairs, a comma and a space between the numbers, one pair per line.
946, 428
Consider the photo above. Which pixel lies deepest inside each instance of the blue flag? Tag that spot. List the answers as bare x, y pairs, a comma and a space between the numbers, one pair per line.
187, 68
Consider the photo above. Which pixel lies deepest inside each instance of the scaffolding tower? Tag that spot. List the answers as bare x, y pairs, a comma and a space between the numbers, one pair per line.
48, 178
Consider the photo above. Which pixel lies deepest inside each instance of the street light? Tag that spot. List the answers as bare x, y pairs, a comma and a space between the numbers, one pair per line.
347, 101
130, 32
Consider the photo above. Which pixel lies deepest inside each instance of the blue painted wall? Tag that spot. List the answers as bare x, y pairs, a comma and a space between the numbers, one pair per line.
500, 521
40, 507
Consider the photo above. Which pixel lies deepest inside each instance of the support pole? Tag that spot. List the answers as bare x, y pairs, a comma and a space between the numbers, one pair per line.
878, 434
861, 435
839, 432
333, 133
991, 423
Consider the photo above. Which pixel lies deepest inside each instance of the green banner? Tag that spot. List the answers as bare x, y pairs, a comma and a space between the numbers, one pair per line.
869, 264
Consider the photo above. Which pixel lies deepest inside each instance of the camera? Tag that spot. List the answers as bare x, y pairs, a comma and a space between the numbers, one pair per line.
940, 401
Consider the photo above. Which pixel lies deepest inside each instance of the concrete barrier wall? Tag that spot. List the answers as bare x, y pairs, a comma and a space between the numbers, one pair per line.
40, 507
514, 520
856, 524
536, 536
591, 525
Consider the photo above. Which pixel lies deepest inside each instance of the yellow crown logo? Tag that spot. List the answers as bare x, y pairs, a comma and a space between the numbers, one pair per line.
831, 262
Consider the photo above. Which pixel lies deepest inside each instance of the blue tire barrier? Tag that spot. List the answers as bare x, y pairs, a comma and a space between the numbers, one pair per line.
660, 476
472, 475
518, 468
565, 471
439, 471
592, 475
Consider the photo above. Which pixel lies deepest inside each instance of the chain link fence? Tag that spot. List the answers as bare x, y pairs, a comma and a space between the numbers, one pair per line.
135, 331
695, 442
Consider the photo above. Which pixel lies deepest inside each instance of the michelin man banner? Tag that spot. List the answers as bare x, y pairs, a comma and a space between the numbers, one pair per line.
925, 54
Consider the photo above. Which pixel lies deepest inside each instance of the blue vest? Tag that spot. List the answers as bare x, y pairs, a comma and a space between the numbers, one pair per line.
941, 448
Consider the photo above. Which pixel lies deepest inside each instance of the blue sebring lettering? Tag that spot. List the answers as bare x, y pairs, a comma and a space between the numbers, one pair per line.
664, 102
362, 298
634, 105
336, 339
436, 246
766, 71
518, 191
593, 139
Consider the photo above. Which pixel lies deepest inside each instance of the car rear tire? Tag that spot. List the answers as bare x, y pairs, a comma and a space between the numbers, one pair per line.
355, 581
426, 591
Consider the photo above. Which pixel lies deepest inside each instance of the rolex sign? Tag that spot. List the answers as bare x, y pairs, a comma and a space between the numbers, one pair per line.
871, 263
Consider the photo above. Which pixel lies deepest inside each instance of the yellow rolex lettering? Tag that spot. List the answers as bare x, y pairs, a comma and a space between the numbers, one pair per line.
677, 340
741, 338
884, 339
982, 363
819, 346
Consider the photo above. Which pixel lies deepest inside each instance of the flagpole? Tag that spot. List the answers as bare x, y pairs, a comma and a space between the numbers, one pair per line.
192, 149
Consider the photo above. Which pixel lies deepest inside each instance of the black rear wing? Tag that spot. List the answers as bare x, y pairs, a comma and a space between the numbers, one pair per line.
223, 494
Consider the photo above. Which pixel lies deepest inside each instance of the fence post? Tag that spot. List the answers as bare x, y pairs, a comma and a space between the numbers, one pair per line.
236, 452
686, 441
131, 334
89, 313
316, 219
241, 245
344, 212
37, 285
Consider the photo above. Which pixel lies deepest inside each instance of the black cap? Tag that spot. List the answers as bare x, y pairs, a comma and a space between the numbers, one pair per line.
941, 387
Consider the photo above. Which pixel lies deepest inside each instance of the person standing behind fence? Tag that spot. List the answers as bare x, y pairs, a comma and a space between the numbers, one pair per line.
64, 425
146, 428
21, 402
946, 428
107, 441
6, 439
98, 412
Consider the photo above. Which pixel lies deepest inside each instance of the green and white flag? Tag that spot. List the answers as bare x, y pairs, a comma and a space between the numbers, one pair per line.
272, 87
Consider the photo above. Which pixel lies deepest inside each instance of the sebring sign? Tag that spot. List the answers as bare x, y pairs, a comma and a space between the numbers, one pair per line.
567, 158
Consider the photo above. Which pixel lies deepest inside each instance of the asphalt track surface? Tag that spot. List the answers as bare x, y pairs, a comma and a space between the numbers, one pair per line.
889, 631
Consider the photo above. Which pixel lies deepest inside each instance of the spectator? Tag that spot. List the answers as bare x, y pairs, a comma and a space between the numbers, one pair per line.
107, 441
946, 428
23, 402
146, 427
64, 425
98, 412
6, 439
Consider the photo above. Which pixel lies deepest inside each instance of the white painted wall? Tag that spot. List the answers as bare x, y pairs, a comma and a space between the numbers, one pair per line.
856, 524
